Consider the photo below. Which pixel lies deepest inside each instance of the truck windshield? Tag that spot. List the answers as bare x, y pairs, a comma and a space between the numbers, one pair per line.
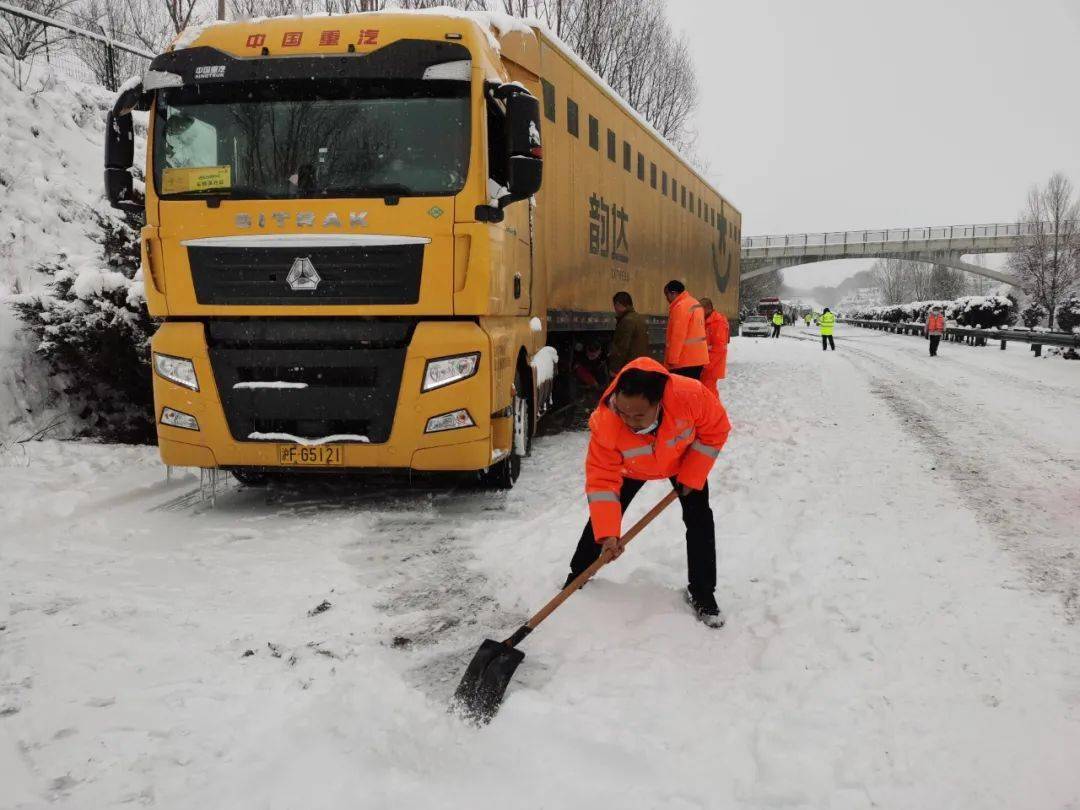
312, 139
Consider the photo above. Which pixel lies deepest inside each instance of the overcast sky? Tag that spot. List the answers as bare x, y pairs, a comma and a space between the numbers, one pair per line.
846, 114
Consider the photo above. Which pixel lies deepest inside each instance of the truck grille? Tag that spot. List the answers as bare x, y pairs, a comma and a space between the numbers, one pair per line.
351, 370
355, 274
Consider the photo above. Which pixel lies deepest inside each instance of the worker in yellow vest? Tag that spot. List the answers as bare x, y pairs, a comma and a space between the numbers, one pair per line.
777, 322
827, 321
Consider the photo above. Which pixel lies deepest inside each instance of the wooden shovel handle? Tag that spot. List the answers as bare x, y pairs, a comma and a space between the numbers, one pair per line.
587, 574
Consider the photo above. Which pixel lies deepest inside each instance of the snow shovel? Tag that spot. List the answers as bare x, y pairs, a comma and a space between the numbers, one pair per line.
481, 690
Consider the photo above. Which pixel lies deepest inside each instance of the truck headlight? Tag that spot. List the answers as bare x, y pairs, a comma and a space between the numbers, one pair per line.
179, 419
179, 370
447, 370
449, 421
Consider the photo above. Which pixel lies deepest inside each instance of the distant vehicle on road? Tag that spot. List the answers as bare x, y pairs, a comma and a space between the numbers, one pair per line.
755, 325
767, 306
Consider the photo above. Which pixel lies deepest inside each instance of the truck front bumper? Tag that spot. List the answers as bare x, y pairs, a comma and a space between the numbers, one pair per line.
407, 447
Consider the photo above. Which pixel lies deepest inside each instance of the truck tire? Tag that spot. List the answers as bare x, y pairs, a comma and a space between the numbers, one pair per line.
504, 473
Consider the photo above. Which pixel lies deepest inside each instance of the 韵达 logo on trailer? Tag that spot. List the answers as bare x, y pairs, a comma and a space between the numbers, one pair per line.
302, 275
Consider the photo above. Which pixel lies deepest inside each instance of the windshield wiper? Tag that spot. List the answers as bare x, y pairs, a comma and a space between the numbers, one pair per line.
389, 191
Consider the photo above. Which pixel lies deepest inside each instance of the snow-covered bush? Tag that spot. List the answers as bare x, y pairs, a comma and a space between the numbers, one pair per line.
1068, 314
1033, 314
984, 311
91, 327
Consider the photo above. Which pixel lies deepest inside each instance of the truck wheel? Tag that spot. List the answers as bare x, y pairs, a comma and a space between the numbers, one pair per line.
503, 474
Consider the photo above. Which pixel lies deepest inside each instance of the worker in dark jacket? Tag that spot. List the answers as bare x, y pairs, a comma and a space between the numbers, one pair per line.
631, 339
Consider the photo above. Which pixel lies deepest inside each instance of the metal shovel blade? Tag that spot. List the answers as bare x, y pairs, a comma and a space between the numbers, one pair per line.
484, 683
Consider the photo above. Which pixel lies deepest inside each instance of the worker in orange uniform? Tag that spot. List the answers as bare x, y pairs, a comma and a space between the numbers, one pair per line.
717, 337
686, 352
935, 328
652, 424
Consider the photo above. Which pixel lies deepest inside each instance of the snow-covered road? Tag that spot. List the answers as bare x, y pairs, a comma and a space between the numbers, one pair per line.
898, 562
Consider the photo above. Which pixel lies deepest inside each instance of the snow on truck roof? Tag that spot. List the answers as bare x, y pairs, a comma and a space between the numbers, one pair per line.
494, 25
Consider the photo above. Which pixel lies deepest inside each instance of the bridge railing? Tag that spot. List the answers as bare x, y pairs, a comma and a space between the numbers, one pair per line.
919, 234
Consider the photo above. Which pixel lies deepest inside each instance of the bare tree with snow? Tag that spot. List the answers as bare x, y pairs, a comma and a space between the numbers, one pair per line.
892, 279
1048, 261
111, 66
632, 47
181, 13
945, 283
22, 39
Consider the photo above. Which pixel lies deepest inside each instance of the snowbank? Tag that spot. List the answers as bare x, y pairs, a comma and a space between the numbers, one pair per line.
51, 134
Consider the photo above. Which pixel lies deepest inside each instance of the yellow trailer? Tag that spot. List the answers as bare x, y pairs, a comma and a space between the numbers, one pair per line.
356, 264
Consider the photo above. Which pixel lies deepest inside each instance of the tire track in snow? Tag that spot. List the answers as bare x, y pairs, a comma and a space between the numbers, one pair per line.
1020, 514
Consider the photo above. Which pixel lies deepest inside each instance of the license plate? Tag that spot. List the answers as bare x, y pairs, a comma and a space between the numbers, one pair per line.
326, 455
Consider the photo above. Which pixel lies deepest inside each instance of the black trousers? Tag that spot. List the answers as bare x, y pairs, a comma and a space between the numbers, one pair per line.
700, 538
830, 343
689, 371
934, 341
775, 331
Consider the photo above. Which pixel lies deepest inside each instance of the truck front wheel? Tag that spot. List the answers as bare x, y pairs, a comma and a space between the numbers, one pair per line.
504, 473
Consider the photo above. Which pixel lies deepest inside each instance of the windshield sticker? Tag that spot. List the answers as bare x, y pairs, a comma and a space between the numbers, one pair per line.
203, 178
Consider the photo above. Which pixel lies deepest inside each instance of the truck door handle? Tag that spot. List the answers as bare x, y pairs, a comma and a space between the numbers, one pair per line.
517, 285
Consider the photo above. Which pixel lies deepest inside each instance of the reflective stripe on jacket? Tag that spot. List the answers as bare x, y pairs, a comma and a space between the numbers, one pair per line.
827, 321
693, 428
778, 319
686, 345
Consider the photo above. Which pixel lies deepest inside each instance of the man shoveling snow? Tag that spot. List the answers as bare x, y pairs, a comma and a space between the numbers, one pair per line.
650, 425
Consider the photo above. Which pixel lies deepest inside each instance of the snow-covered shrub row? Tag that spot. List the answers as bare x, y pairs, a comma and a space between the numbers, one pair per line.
914, 312
985, 311
1068, 314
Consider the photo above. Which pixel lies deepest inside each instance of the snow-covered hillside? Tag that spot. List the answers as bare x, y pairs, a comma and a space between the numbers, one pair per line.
50, 185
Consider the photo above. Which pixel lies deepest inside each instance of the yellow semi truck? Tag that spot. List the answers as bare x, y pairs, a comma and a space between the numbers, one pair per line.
360, 243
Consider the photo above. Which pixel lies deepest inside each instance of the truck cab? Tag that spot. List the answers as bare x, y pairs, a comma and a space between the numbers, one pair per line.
338, 241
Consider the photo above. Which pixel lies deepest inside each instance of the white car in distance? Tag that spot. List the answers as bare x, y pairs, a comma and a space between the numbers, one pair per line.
755, 326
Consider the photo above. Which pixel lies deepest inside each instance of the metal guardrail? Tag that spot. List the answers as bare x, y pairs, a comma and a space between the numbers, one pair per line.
883, 235
78, 52
975, 336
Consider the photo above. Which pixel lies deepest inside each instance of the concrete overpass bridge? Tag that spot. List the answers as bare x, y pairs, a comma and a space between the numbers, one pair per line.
946, 245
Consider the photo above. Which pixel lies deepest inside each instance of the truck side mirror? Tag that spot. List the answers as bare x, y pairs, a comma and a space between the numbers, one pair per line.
526, 152
120, 151
526, 176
